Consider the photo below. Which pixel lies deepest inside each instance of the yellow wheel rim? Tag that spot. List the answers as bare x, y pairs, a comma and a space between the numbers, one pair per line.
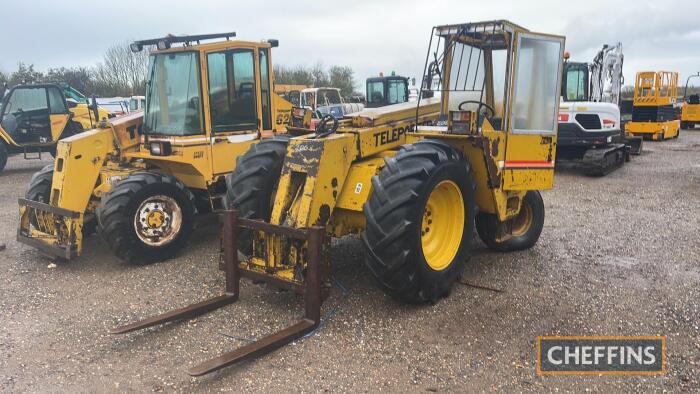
443, 225
523, 221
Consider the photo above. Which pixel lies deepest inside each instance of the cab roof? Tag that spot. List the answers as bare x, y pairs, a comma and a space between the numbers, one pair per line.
169, 43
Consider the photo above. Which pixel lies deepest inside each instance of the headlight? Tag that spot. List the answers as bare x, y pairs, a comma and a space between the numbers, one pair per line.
160, 148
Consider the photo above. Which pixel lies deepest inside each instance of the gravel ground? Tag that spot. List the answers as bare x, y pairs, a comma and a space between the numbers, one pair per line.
619, 255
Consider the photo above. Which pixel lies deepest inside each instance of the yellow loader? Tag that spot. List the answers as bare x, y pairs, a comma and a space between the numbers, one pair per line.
33, 117
141, 178
413, 194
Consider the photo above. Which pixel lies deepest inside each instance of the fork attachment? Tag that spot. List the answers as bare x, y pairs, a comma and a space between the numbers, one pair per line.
234, 270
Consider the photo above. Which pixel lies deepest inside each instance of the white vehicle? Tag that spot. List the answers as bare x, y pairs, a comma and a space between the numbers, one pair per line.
590, 130
325, 101
137, 103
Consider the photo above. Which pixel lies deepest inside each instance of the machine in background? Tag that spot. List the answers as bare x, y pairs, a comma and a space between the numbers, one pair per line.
34, 117
386, 90
654, 115
690, 113
140, 178
590, 131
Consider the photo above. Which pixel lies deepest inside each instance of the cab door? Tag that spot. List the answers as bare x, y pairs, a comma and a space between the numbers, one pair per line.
234, 105
58, 112
533, 120
35, 114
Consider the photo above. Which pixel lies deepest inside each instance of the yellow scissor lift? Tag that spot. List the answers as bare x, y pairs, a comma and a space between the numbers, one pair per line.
654, 115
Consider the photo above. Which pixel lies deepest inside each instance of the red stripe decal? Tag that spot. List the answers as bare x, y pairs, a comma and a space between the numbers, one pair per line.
529, 164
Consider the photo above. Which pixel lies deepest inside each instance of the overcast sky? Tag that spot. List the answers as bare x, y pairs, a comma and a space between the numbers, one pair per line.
369, 36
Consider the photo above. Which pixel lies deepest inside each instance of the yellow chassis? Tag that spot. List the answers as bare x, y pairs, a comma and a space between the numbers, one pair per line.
654, 130
327, 181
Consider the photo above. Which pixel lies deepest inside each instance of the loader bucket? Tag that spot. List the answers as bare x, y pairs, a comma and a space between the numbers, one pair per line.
54, 231
635, 144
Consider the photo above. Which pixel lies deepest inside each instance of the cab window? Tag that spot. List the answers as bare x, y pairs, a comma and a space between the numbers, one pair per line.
26, 100
396, 91
537, 85
265, 90
232, 95
576, 85
375, 92
56, 103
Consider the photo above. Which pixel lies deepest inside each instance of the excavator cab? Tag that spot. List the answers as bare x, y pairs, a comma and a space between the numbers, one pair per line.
386, 90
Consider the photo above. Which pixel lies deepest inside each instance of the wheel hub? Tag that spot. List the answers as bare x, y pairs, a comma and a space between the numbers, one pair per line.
158, 220
442, 226
523, 221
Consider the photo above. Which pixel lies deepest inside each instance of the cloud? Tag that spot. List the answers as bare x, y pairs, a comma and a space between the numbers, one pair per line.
369, 36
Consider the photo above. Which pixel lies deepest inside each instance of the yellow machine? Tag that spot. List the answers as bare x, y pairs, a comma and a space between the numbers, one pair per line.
653, 113
34, 117
690, 113
291, 93
142, 177
412, 191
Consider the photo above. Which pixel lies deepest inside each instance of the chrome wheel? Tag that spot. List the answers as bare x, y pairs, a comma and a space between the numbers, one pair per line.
158, 220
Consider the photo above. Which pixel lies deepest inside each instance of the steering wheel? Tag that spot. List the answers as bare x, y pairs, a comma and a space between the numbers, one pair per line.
478, 109
327, 126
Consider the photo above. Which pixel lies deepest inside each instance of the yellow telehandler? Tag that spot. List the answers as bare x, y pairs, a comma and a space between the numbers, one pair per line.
413, 193
140, 179
33, 117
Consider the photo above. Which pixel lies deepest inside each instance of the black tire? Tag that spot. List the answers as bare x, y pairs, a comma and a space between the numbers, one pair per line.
39, 188
72, 128
684, 125
250, 187
116, 216
487, 224
3, 155
394, 213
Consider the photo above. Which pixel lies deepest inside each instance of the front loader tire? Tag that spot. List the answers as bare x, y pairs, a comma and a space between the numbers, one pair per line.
527, 229
420, 221
146, 217
250, 187
39, 190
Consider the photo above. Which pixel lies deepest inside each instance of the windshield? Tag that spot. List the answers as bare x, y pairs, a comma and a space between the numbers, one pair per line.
396, 91
375, 92
327, 97
173, 95
537, 85
576, 84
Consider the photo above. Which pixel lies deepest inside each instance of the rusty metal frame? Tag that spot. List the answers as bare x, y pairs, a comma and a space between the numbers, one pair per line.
233, 272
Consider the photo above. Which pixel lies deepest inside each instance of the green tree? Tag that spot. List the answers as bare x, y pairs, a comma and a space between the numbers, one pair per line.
79, 78
25, 74
343, 78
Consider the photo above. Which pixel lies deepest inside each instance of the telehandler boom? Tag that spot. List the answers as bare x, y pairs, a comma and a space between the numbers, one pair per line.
412, 192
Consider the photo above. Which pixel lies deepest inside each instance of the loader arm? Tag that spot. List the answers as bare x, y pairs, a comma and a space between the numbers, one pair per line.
56, 226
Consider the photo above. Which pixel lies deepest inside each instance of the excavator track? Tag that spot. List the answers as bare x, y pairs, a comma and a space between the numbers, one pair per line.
602, 161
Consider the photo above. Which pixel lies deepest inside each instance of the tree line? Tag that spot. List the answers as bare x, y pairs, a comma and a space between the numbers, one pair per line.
341, 77
120, 73
123, 73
